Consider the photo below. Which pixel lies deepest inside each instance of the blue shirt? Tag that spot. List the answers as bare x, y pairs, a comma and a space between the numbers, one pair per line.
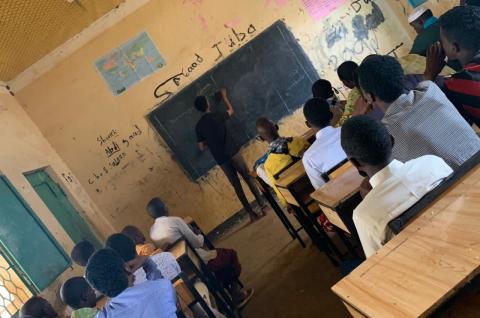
152, 299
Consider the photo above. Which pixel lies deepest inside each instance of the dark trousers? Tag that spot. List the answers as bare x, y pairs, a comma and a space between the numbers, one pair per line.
226, 266
236, 166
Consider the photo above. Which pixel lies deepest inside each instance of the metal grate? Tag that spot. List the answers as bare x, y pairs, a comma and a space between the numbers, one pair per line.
13, 292
31, 29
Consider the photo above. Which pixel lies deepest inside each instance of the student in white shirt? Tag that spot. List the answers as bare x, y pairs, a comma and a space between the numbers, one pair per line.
166, 230
396, 186
326, 152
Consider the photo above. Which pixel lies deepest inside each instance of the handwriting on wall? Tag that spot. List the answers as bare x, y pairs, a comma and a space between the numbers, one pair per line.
114, 146
233, 39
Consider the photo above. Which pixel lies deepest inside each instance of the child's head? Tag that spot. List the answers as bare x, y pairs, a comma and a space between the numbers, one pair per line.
266, 130
317, 113
81, 252
322, 89
134, 234
202, 104
123, 245
156, 208
37, 307
77, 293
346, 73
107, 272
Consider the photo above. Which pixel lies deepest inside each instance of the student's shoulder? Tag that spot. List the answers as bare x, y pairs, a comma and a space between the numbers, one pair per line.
429, 163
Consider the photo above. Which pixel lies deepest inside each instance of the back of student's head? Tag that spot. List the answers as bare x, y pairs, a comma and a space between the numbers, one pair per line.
472, 3
123, 245
322, 89
156, 208
366, 140
266, 129
461, 25
317, 112
346, 71
77, 293
134, 233
106, 272
201, 103
37, 307
382, 76
81, 252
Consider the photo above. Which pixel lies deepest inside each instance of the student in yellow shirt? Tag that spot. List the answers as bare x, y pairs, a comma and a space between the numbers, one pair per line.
282, 151
355, 104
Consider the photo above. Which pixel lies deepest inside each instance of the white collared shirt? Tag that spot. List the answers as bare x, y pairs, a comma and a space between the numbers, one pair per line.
325, 153
168, 229
396, 188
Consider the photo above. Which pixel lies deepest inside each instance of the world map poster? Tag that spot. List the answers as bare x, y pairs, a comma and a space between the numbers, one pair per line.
128, 64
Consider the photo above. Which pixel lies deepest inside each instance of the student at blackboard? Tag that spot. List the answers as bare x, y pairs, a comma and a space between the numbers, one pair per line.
460, 40
212, 134
396, 185
422, 121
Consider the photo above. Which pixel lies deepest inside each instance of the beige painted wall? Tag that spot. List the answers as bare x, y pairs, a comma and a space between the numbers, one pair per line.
73, 107
25, 149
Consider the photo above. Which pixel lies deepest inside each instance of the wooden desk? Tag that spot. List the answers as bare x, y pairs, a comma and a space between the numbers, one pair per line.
427, 262
335, 193
296, 188
193, 266
309, 136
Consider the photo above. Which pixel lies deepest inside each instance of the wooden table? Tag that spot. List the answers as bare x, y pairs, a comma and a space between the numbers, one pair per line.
333, 195
193, 266
295, 186
309, 136
426, 263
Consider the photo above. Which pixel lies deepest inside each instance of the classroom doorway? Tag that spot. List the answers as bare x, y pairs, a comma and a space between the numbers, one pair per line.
58, 203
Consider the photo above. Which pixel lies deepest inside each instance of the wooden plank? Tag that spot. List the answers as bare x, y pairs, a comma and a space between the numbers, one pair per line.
426, 263
335, 219
336, 191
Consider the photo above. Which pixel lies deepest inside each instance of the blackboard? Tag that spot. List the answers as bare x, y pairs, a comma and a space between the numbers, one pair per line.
270, 76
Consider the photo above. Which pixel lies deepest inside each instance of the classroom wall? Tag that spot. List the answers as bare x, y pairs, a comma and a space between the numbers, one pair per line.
25, 149
75, 110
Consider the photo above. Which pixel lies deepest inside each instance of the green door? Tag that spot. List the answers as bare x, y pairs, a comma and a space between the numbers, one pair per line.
26, 243
57, 202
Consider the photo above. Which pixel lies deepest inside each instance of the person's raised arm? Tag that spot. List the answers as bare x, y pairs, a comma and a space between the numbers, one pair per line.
230, 110
435, 62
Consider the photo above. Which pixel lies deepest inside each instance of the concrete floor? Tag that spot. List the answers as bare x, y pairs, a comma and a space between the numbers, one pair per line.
289, 281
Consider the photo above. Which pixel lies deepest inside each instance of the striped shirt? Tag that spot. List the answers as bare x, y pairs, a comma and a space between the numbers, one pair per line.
424, 122
463, 89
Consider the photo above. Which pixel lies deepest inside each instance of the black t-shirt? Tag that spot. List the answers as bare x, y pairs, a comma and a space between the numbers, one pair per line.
211, 129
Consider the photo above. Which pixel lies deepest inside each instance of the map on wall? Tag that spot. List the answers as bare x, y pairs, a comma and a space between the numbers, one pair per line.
128, 64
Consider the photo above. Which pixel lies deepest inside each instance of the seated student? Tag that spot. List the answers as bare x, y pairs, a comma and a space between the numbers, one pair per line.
460, 40
282, 151
166, 230
355, 104
324, 89
143, 248
326, 152
164, 262
422, 121
396, 185
108, 273
77, 293
426, 26
37, 307
81, 252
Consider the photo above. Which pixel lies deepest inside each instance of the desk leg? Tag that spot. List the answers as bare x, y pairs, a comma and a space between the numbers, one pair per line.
346, 242
279, 212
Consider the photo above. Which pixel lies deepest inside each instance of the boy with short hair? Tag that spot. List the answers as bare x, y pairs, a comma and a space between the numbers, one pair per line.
167, 230
396, 185
326, 152
77, 293
422, 121
108, 273
37, 307
81, 252
460, 40
143, 248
